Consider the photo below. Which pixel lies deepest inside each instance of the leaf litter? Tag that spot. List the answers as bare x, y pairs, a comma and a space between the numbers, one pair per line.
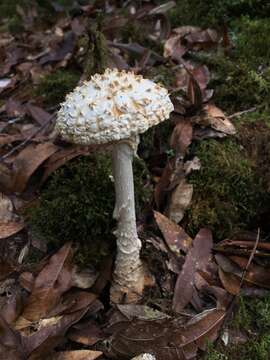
46, 308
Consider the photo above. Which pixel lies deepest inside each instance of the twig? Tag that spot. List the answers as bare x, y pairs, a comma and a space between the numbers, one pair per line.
26, 140
249, 260
240, 113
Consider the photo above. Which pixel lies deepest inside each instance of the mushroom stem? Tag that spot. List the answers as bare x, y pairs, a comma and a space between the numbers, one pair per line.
128, 277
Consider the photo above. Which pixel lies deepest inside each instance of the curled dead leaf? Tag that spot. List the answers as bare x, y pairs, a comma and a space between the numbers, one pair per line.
180, 201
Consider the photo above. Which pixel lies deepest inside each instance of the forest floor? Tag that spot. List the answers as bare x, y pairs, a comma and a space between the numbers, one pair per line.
202, 182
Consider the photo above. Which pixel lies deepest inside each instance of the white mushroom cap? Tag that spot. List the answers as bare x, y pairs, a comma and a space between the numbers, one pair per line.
110, 107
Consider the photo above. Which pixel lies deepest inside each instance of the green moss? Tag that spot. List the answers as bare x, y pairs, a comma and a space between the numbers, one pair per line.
77, 204
12, 21
252, 43
252, 319
213, 354
54, 87
162, 74
253, 316
243, 317
238, 86
96, 51
227, 192
215, 12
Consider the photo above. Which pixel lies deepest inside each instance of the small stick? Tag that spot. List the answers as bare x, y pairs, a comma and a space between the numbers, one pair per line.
240, 113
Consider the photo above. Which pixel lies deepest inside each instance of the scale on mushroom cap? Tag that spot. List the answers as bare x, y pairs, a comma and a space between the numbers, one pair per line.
116, 107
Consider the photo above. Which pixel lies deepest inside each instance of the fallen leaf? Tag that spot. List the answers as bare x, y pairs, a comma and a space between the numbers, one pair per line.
175, 236
6, 139
215, 118
43, 341
53, 280
179, 201
10, 342
41, 116
173, 48
14, 108
181, 137
141, 312
203, 328
27, 162
77, 355
72, 302
86, 333
10, 223
83, 278
196, 259
230, 282
166, 339
63, 50
202, 39
256, 274
162, 187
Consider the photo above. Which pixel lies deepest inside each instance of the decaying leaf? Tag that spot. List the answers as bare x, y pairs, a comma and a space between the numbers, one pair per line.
10, 223
214, 117
53, 280
179, 201
181, 136
77, 355
86, 333
175, 236
27, 162
197, 258
230, 282
43, 341
166, 339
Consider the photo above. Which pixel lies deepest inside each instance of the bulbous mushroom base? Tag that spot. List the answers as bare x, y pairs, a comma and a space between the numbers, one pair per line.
128, 281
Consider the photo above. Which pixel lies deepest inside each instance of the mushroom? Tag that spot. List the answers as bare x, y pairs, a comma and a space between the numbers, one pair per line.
115, 107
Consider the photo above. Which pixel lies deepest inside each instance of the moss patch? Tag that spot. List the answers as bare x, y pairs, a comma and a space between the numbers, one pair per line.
215, 12
252, 319
227, 192
54, 87
77, 204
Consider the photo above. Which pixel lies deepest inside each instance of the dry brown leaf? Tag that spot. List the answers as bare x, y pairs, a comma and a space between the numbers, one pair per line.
166, 339
38, 345
256, 274
215, 118
175, 236
180, 201
10, 229
181, 136
77, 355
10, 342
229, 281
10, 223
41, 116
53, 280
196, 259
27, 162
173, 47
86, 333
6, 139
